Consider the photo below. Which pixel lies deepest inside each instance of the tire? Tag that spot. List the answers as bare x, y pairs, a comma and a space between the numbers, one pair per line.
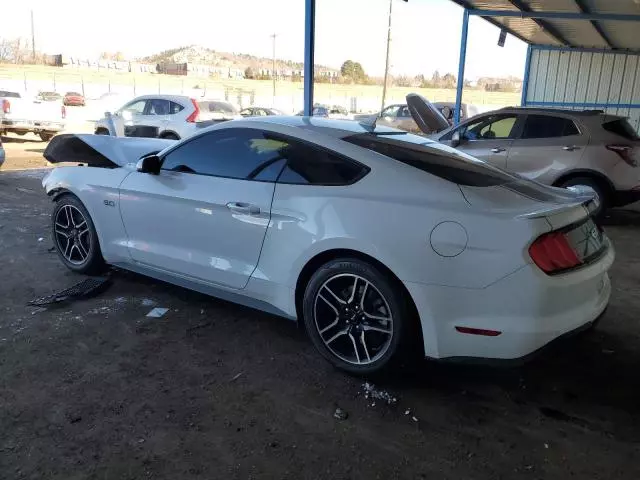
45, 137
340, 340
102, 131
169, 136
75, 238
603, 194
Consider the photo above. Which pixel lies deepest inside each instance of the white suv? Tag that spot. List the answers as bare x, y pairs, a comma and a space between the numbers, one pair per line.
557, 147
166, 116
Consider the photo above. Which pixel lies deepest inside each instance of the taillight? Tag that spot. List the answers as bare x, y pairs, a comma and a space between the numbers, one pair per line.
626, 152
194, 117
552, 252
6, 106
63, 111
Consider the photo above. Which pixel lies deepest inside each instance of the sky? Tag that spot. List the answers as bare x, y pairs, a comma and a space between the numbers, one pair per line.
425, 34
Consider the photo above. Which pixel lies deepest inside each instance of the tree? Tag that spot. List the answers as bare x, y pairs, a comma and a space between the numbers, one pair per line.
353, 71
249, 73
449, 81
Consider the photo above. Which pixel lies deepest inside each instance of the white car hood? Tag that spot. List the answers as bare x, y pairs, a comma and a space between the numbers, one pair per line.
102, 150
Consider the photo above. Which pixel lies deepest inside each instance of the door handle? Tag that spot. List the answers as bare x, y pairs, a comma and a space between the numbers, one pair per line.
570, 148
241, 207
498, 149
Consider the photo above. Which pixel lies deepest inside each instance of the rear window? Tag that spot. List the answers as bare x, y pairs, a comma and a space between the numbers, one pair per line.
448, 165
217, 107
6, 94
622, 128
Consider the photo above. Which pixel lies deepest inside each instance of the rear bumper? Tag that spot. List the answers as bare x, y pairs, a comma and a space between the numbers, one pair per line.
625, 197
23, 125
528, 308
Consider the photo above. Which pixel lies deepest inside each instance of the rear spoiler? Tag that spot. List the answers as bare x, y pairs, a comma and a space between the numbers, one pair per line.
101, 151
586, 197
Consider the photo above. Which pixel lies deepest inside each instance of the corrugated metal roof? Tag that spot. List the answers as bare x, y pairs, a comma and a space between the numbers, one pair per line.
607, 34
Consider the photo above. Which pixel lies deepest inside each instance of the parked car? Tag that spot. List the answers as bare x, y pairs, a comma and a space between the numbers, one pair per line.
557, 147
166, 116
399, 116
378, 240
260, 111
2, 154
21, 114
74, 99
325, 111
49, 96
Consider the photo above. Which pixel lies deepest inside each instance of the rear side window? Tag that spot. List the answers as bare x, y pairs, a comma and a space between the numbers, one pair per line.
309, 165
545, 126
451, 166
620, 127
175, 108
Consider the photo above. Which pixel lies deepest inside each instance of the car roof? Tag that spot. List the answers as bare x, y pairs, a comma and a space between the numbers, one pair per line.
339, 128
549, 110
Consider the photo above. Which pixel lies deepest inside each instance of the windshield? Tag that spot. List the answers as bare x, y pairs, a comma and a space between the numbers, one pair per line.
447, 164
217, 107
4, 93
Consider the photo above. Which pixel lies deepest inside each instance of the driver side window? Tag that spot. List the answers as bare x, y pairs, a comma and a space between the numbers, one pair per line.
489, 128
135, 107
391, 111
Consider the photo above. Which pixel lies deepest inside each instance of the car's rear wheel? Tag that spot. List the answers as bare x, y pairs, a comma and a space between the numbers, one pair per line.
357, 317
102, 131
74, 236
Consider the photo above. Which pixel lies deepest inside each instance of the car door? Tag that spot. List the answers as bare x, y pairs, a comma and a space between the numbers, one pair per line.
127, 117
154, 119
204, 216
488, 138
548, 146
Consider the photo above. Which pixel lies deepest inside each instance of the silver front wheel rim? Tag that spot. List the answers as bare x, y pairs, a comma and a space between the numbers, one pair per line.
72, 235
353, 319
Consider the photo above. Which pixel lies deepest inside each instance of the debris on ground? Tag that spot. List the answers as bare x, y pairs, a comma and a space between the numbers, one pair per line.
606, 351
51, 249
157, 312
199, 326
237, 376
38, 310
85, 288
41, 239
370, 391
407, 411
147, 302
340, 414
414, 419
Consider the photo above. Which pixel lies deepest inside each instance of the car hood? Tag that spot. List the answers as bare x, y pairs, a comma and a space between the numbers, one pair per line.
102, 150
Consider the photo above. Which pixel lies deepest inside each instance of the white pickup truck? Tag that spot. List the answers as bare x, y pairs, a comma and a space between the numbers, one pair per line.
21, 114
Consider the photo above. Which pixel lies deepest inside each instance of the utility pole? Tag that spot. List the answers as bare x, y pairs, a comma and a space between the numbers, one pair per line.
386, 63
273, 68
33, 39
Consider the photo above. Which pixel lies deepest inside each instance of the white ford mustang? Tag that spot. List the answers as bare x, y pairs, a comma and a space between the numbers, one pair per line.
374, 238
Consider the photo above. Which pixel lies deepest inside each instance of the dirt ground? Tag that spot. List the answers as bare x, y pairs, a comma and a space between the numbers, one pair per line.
94, 389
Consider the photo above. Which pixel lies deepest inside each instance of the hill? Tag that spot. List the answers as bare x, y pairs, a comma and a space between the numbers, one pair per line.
207, 56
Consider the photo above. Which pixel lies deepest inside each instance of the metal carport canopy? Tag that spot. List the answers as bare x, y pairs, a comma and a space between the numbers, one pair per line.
603, 25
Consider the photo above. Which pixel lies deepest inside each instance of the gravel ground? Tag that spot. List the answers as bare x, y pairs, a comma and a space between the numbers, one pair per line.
95, 389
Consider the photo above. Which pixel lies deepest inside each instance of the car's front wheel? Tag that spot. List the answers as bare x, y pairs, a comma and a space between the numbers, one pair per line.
357, 317
75, 237
45, 137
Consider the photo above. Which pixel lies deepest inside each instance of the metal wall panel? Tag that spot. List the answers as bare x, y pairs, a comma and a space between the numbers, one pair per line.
585, 79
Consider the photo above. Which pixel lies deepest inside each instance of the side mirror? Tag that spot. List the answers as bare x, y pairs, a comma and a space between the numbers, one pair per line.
149, 164
456, 139
447, 112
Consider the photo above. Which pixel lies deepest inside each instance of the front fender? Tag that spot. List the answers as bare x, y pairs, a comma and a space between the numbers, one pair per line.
98, 190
